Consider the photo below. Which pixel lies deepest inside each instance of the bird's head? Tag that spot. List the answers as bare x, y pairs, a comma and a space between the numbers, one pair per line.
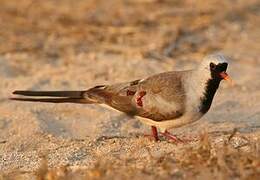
216, 66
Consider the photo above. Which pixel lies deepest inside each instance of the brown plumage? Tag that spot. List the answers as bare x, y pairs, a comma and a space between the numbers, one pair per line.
123, 96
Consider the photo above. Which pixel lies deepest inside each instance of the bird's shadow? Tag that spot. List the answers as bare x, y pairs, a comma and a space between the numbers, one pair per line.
120, 126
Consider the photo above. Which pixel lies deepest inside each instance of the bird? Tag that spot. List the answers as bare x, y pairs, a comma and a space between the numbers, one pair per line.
163, 101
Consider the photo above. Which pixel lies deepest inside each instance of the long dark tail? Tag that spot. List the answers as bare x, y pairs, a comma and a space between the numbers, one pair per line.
93, 95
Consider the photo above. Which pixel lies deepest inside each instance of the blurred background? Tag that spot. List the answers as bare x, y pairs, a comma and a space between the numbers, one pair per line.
65, 32
77, 44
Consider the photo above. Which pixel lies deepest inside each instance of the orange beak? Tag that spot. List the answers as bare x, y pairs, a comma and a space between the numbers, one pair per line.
226, 77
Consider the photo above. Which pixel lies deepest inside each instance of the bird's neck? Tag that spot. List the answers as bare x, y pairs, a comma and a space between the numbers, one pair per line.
208, 95
201, 90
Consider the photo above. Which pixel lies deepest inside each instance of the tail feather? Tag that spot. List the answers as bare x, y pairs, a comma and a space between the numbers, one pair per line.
71, 94
53, 96
55, 100
93, 95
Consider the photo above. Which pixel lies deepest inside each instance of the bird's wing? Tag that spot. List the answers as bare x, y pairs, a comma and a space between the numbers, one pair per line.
118, 96
159, 97
164, 97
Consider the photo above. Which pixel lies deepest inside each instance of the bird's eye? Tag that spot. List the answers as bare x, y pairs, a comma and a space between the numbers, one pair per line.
212, 66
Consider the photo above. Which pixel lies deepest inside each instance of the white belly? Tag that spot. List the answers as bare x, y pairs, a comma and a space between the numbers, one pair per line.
173, 123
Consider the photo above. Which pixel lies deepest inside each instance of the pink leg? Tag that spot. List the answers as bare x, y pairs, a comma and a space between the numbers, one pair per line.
172, 137
155, 133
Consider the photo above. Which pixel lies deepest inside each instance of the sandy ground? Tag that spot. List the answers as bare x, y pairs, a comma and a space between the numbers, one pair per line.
80, 45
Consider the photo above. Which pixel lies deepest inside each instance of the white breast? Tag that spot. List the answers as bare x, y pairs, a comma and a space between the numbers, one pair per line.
152, 102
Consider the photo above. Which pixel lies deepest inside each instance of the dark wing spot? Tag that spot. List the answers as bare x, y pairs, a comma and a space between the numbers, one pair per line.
130, 93
134, 82
139, 101
99, 86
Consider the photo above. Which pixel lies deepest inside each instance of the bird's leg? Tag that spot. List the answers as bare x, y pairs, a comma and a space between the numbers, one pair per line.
170, 136
155, 133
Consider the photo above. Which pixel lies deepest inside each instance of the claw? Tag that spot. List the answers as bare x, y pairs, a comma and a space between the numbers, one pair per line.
172, 137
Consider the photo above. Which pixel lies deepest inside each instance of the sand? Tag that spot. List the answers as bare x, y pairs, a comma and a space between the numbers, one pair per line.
75, 45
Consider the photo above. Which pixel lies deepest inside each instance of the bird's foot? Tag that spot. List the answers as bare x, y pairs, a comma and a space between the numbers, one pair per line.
172, 137
154, 136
